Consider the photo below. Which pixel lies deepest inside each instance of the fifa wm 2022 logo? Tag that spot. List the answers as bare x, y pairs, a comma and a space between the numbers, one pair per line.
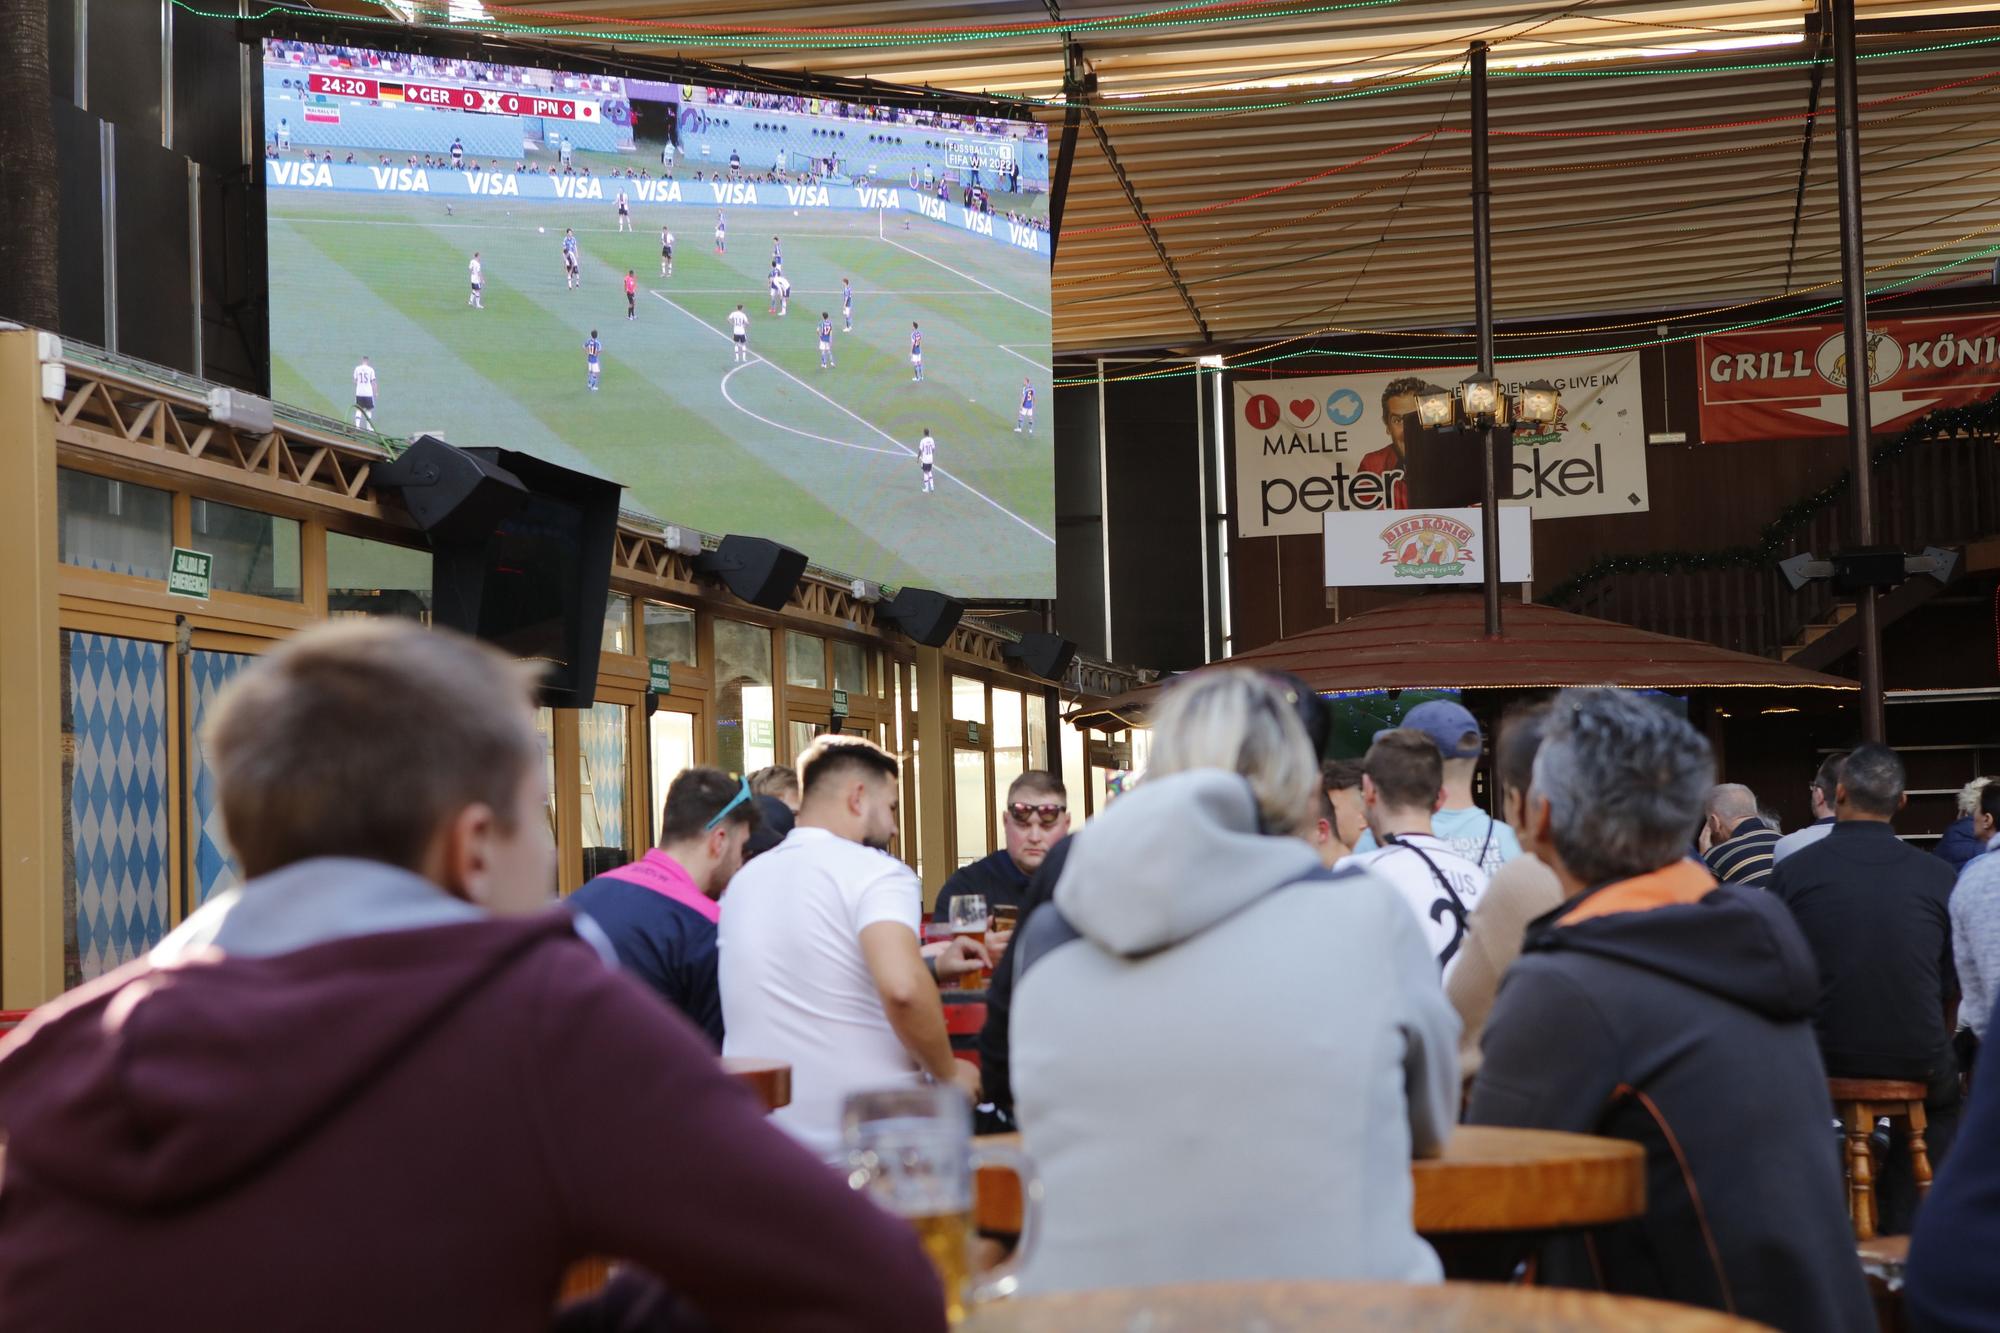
1427, 546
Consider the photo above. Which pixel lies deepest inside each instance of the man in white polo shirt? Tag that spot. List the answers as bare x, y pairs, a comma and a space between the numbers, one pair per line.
1402, 786
821, 954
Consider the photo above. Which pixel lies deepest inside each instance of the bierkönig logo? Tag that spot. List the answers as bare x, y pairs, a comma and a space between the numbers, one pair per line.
1427, 546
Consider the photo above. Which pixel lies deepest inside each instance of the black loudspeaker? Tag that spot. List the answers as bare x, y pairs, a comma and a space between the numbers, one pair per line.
532, 582
1861, 567
1047, 655
922, 615
761, 572
454, 495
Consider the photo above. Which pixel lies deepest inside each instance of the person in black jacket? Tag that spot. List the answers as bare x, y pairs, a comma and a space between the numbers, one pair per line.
1036, 819
997, 1115
1953, 1284
1657, 1006
1877, 914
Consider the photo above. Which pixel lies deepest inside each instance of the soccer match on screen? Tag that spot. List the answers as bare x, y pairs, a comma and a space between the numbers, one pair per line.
820, 321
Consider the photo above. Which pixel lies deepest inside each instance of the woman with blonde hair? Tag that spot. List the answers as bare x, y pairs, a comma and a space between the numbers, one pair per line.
1202, 993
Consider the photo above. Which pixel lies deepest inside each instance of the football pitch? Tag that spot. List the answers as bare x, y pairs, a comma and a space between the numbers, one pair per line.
820, 459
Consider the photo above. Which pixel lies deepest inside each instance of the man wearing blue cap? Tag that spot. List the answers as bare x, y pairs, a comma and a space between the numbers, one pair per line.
1472, 833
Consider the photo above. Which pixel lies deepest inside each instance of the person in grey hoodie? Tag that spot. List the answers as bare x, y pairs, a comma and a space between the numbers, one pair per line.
1224, 1055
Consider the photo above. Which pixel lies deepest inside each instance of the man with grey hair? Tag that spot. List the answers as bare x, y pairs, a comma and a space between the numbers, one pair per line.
1736, 840
1877, 914
1657, 1006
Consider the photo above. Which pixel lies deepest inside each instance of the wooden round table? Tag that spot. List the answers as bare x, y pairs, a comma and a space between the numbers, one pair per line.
1488, 1179
771, 1080
1296, 1307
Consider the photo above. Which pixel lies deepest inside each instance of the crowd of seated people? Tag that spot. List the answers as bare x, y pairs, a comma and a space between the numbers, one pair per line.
399, 1087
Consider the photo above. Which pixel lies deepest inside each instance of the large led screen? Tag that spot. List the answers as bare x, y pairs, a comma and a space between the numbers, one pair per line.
816, 321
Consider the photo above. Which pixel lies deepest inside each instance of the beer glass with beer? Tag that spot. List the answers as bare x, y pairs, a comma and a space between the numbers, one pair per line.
967, 915
911, 1149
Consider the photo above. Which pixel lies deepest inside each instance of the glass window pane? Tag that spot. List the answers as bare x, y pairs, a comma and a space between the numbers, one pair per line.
545, 726
800, 735
1038, 731
805, 660
881, 676
1073, 775
617, 624
368, 578
670, 633
1100, 788
670, 736
255, 553
968, 700
850, 668
745, 721
1142, 749
1009, 754
113, 525
600, 745
968, 774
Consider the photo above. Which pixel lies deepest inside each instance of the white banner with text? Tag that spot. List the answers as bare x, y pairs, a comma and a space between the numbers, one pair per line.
1325, 444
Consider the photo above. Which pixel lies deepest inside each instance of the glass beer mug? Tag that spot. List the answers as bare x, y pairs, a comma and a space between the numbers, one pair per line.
911, 1150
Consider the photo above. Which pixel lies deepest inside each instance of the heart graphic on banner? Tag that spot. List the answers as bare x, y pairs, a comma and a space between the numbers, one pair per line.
1305, 409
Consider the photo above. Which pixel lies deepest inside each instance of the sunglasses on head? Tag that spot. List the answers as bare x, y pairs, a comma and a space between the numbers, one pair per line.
1024, 814
742, 795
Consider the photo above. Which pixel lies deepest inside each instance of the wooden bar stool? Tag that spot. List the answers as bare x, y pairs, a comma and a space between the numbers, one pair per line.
1859, 1102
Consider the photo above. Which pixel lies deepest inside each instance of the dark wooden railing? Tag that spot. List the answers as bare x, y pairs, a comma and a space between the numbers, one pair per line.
1941, 492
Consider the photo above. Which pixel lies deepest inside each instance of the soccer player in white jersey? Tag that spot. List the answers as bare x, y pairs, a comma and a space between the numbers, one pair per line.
572, 273
1026, 416
927, 455
739, 333
784, 294
825, 340
721, 233
364, 396
916, 352
847, 303
476, 300
624, 213
666, 253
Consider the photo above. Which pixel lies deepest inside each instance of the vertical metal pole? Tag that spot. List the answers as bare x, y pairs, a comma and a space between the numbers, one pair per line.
1854, 303
1482, 295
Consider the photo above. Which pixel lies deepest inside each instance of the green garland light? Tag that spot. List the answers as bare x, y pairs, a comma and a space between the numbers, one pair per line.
1971, 418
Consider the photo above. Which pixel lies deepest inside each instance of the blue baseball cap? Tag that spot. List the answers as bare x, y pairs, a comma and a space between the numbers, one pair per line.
1453, 729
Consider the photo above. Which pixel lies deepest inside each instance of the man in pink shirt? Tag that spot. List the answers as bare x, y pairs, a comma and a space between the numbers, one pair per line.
659, 912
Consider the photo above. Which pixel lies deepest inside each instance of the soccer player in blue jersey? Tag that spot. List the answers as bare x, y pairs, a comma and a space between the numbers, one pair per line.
916, 352
777, 254
1026, 416
847, 303
721, 233
591, 350
771, 280
825, 340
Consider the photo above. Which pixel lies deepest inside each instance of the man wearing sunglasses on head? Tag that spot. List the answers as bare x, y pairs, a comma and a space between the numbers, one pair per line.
660, 912
1035, 819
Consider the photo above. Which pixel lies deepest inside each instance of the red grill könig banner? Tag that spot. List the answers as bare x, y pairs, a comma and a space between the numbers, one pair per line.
1791, 382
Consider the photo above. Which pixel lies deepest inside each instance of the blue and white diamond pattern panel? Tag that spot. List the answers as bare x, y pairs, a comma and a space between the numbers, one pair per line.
118, 798
601, 737
214, 867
